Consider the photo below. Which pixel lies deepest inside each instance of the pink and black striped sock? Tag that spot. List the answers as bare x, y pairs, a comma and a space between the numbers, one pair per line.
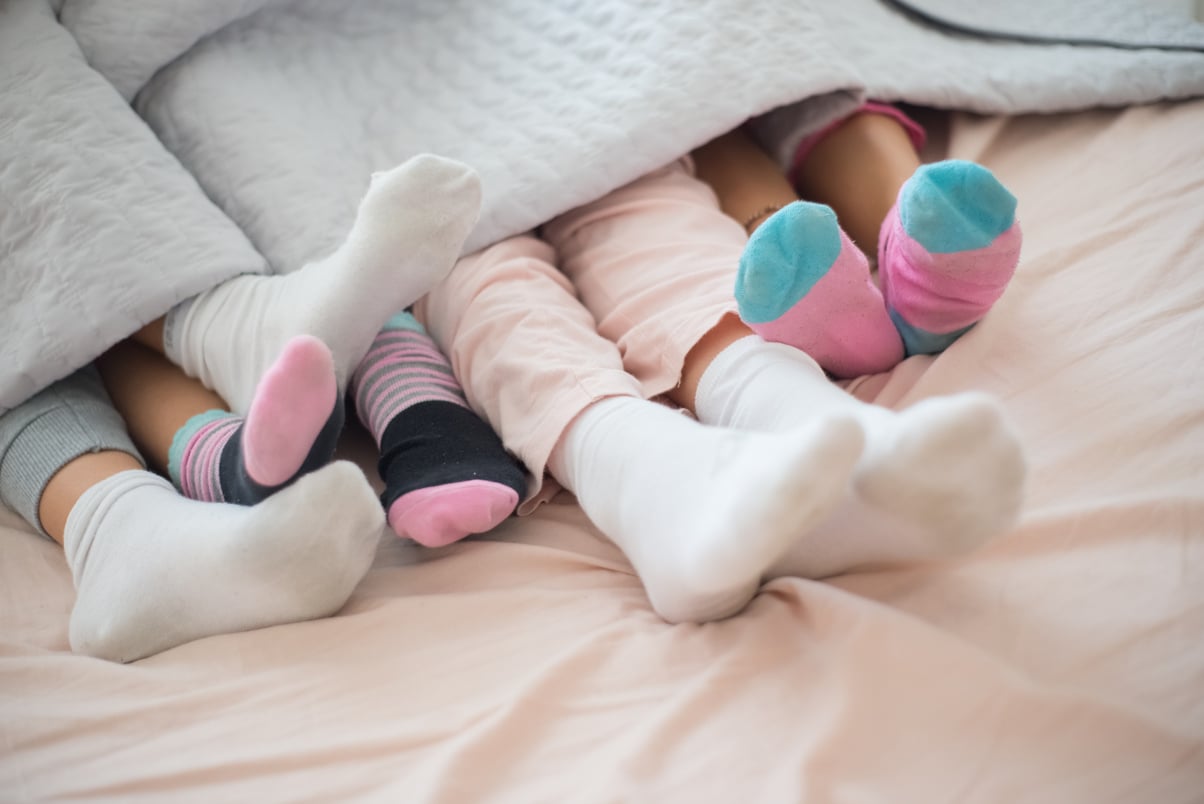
446, 472
291, 428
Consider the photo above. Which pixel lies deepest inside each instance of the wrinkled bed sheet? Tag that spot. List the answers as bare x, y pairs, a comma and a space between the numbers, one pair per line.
1063, 663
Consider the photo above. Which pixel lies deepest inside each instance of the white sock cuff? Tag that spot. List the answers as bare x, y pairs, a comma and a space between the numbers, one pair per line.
708, 402
77, 534
562, 462
173, 322
728, 373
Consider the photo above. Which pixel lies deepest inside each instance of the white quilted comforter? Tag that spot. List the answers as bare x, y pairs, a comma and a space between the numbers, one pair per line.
266, 118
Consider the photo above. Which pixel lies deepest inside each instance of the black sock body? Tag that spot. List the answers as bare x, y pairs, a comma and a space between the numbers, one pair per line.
239, 488
436, 443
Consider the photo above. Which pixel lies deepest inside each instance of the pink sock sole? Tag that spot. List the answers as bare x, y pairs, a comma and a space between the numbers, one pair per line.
291, 405
440, 515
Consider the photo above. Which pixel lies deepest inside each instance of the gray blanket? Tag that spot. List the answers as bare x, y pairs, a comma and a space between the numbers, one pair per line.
267, 117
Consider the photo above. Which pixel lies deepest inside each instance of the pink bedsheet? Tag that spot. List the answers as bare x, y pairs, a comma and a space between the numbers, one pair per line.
1063, 663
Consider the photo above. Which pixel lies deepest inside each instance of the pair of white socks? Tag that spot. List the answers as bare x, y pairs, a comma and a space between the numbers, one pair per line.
785, 474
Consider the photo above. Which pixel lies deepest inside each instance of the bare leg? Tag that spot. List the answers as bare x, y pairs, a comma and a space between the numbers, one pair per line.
749, 184
729, 330
154, 397
151, 336
840, 320
857, 170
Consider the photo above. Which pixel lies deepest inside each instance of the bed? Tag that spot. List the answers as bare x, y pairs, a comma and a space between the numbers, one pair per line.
1064, 662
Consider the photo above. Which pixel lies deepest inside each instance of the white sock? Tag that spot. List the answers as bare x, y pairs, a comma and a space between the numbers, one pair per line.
154, 570
701, 512
935, 480
407, 236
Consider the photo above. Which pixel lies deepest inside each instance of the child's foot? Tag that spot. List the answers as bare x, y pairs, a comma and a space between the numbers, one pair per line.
154, 570
292, 428
446, 472
407, 235
436, 513
802, 282
953, 470
946, 252
936, 480
702, 512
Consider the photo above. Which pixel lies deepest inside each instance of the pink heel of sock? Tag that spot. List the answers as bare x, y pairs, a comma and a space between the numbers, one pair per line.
292, 404
439, 515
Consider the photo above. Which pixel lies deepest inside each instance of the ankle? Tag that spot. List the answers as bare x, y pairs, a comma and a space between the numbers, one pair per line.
728, 331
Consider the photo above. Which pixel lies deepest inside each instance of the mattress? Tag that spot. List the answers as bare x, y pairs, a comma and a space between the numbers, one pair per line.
1063, 662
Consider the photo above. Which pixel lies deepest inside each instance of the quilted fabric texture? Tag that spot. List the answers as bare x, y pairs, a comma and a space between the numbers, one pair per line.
101, 229
128, 40
281, 110
283, 115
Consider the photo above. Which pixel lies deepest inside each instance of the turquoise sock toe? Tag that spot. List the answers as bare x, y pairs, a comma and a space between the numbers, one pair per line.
784, 258
955, 206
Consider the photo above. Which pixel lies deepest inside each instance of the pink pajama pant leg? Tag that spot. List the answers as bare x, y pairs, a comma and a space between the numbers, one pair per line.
524, 348
655, 262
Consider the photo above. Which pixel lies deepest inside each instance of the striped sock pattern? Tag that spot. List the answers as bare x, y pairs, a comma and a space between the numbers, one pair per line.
445, 470
292, 428
403, 368
208, 459
196, 454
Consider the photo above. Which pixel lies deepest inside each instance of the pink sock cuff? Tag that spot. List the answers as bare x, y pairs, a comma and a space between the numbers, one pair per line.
942, 293
915, 132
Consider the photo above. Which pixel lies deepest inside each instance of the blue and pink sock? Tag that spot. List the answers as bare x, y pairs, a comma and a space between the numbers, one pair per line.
291, 428
446, 472
947, 251
802, 282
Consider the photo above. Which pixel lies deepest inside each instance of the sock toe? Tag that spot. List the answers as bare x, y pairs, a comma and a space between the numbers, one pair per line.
440, 515
955, 206
784, 259
447, 192
956, 470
